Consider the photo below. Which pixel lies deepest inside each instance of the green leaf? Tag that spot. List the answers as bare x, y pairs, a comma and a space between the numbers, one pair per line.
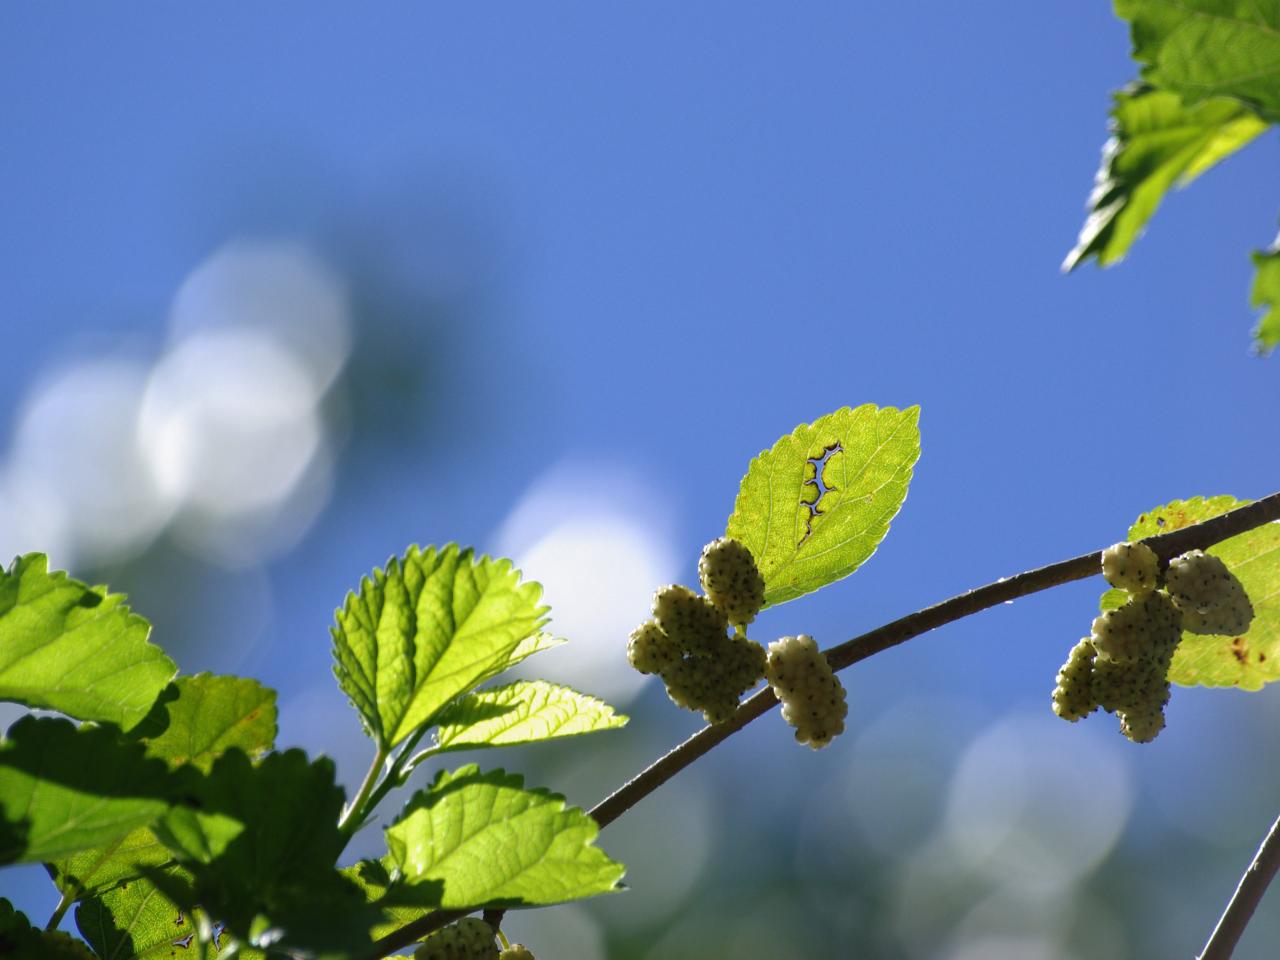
804, 537
521, 712
490, 842
19, 940
260, 844
194, 721
400, 903
63, 790
134, 920
1156, 143
1210, 48
75, 649
1249, 661
434, 625
1266, 296
95, 871
199, 718
536, 643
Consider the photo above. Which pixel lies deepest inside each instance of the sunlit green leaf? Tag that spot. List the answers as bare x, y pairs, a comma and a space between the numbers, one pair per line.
64, 790
1246, 662
1210, 48
72, 648
805, 530
1156, 143
433, 625
94, 871
489, 841
521, 712
134, 920
1266, 296
199, 718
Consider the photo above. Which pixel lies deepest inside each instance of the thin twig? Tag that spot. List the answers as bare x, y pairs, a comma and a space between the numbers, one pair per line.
1254, 883
1167, 545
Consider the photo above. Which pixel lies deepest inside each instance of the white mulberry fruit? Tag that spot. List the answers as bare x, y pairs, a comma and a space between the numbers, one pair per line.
812, 697
1131, 566
1073, 697
1142, 724
1210, 597
714, 682
692, 621
650, 650
468, 939
1143, 626
731, 580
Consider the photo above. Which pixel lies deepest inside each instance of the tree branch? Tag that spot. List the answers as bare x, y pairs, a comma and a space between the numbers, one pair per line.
1254, 883
1167, 545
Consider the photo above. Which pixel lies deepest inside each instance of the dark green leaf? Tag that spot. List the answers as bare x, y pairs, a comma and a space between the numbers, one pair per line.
19, 940
806, 531
194, 721
1210, 48
400, 903
260, 844
1266, 296
63, 790
75, 649
491, 842
1156, 143
521, 712
434, 625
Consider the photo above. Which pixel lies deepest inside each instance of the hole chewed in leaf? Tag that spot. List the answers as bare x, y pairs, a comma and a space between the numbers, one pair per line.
815, 487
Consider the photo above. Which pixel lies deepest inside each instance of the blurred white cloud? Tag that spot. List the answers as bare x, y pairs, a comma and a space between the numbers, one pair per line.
277, 288
221, 439
1010, 948
1036, 801
76, 481
596, 537
1033, 806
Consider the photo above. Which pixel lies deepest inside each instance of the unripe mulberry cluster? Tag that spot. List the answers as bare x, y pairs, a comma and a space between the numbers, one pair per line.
517, 951
687, 643
1122, 666
468, 939
812, 697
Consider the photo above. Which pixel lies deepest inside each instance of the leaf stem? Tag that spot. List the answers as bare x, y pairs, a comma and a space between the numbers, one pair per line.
60, 911
1254, 883
356, 810
398, 771
1167, 545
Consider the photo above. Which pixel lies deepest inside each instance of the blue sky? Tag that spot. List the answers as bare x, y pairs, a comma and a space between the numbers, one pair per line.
628, 246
